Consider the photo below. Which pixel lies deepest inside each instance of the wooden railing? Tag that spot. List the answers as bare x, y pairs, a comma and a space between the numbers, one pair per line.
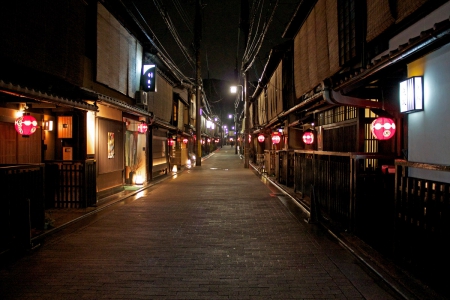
71, 184
284, 167
347, 189
422, 219
21, 204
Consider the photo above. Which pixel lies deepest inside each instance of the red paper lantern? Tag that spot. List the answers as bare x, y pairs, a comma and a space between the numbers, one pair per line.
25, 125
276, 138
261, 138
171, 142
142, 128
383, 128
185, 141
308, 137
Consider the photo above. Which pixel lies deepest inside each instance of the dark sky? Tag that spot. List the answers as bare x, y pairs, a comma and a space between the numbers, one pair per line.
219, 48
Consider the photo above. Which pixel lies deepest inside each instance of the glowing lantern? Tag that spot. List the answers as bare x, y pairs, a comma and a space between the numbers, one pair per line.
171, 142
383, 128
25, 125
142, 128
308, 137
249, 138
185, 141
276, 138
261, 138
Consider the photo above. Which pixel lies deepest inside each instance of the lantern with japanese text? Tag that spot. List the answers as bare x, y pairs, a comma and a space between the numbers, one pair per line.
308, 137
276, 138
25, 125
142, 128
261, 138
383, 128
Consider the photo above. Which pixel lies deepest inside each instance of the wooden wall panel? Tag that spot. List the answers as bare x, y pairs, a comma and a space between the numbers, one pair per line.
8, 141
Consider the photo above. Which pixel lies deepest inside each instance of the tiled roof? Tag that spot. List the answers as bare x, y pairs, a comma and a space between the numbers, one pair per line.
426, 42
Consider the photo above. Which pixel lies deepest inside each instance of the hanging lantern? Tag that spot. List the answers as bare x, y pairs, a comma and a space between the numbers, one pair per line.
308, 137
276, 138
249, 138
383, 128
261, 138
185, 141
142, 128
171, 142
25, 125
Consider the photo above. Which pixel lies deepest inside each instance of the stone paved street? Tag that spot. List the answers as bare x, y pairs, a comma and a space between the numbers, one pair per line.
213, 232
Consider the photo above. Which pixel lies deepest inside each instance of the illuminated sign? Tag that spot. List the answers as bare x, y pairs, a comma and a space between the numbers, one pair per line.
411, 95
148, 78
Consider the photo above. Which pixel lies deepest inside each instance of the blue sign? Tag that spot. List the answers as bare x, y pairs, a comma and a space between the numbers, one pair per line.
148, 78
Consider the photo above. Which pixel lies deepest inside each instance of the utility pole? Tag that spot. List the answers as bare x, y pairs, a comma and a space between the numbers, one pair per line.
198, 65
246, 122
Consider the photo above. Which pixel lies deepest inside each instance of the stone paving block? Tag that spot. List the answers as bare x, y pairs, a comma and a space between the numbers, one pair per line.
213, 232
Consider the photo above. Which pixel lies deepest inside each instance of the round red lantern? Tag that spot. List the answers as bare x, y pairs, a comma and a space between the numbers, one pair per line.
261, 138
185, 141
308, 137
383, 128
276, 138
25, 125
142, 128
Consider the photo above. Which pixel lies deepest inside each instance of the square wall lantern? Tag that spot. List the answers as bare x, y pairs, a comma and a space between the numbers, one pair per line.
411, 95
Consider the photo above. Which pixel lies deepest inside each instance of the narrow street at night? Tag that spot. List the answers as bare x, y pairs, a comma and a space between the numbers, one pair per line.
212, 232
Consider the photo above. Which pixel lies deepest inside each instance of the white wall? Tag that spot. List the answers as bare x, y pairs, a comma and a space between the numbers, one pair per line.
429, 130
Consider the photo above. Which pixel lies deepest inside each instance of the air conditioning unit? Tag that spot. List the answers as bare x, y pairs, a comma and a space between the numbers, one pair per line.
141, 98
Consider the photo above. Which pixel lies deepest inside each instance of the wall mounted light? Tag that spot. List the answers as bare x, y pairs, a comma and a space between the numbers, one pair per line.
48, 125
411, 94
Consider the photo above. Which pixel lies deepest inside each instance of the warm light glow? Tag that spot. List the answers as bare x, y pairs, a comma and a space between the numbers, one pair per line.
90, 132
174, 168
185, 141
308, 137
261, 138
383, 128
139, 180
233, 89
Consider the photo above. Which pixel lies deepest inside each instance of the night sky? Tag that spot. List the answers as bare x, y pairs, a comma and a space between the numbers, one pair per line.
219, 48
220, 55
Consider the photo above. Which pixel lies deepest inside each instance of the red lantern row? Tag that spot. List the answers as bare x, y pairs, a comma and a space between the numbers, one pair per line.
142, 128
276, 138
308, 137
383, 128
25, 125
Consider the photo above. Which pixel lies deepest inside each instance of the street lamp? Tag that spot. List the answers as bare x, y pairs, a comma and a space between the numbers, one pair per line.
234, 90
